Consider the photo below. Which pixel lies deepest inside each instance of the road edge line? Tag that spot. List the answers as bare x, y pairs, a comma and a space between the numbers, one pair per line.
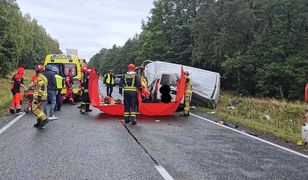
257, 138
163, 172
11, 123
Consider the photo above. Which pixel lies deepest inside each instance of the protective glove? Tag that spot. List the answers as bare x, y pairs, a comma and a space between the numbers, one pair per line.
120, 91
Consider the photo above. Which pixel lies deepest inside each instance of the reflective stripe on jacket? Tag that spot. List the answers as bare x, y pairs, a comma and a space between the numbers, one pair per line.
129, 82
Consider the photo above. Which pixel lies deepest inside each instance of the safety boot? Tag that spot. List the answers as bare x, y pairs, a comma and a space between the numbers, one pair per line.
18, 111
38, 123
88, 108
82, 108
12, 111
127, 120
43, 123
184, 114
134, 122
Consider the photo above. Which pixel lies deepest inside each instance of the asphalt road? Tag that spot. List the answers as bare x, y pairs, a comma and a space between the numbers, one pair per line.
98, 146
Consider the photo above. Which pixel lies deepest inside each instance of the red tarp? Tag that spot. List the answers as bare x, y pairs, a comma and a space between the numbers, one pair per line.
148, 109
306, 93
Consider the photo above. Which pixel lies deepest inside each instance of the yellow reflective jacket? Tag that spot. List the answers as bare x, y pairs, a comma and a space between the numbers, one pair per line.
40, 87
60, 81
188, 86
109, 79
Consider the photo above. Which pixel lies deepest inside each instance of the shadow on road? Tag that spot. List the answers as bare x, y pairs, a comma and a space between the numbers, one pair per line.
140, 118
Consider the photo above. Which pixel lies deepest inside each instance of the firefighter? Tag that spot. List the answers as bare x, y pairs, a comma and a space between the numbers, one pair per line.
85, 104
109, 81
39, 97
69, 87
130, 84
16, 84
188, 93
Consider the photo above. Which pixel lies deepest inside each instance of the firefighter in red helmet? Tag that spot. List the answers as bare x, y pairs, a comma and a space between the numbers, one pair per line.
130, 84
39, 97
85, 104
16, 84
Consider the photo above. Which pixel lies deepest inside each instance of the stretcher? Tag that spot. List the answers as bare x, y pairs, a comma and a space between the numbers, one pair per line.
148, 109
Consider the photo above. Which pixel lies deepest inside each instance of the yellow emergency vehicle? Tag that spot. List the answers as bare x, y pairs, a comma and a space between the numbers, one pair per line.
65, 63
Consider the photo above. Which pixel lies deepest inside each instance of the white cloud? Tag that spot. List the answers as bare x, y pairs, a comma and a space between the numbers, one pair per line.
89, 25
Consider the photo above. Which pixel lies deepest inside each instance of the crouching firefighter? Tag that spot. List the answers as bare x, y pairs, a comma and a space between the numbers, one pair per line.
188, 93
39, 97
85, 104
130, 84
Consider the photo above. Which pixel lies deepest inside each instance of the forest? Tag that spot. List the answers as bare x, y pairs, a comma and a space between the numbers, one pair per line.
259, 47
23, 42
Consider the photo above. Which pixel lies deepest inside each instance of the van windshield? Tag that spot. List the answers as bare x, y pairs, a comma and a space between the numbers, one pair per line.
65, 68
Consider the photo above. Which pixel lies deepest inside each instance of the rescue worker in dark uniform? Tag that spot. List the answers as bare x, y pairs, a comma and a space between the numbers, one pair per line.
52, 90
60, 85
39, 97
130, 84
16, 84
187, 95
85, 104
109, 81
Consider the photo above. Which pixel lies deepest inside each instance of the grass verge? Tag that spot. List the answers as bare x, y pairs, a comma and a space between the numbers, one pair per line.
279, 118
5, 92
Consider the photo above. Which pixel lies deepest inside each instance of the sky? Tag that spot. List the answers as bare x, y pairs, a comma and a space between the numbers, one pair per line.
88, 25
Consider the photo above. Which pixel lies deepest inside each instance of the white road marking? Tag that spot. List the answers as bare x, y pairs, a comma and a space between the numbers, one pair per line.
259, 139
11, 123
164, 172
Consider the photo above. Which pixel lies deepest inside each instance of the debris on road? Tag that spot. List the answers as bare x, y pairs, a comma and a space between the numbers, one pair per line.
234, 126
235, 102
301, 143
267, 117
231, 107
305, 132
221, 122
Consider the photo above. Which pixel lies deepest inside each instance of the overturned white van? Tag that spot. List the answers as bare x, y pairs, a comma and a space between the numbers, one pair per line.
206, 84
